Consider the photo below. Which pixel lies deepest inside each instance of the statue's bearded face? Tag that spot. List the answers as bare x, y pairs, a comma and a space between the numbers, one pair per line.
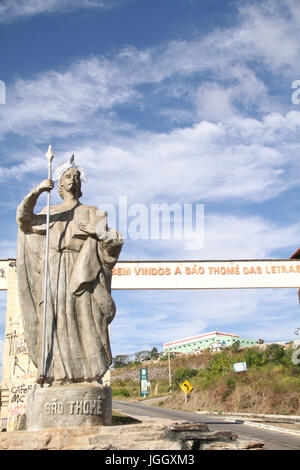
70, 182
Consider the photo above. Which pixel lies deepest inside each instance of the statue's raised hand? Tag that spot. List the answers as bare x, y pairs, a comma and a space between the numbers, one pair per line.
46, 185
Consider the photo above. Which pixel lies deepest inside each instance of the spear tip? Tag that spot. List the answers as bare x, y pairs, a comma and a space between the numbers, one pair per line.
50, 153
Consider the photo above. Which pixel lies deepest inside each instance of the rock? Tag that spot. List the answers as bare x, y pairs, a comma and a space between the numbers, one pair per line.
238, 445
148, 435
202, 427
201, 436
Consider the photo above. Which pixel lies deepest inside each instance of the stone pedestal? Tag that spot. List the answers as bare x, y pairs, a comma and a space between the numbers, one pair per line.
69, 406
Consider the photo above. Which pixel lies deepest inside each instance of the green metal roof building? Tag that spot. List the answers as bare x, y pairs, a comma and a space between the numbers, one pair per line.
214, 340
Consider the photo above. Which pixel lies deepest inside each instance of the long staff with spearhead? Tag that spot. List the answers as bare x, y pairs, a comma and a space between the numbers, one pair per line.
49, 156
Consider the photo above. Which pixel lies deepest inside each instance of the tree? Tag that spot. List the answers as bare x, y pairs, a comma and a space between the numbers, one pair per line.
253, 357
183, 373
154, 352
274, 352
121, 360
142, 356
221, 362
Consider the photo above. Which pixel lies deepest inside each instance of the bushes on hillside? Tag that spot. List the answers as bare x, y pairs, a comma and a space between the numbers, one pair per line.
275, 352
120, 392
221, 362
253, 357
183, 373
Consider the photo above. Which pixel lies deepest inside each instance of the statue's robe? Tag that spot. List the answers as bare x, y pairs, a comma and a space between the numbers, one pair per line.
79, 304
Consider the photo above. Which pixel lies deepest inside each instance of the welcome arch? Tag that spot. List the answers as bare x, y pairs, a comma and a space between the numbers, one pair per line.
18, 373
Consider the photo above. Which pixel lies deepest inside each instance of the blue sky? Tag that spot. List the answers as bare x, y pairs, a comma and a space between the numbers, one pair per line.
184, 101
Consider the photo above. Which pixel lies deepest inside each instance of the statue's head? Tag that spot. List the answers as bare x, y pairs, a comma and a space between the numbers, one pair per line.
70, 181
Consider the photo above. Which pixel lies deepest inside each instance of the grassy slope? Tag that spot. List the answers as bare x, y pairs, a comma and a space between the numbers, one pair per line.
271, 384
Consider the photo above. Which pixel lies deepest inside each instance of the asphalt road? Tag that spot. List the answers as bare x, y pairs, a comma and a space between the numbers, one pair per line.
273, 440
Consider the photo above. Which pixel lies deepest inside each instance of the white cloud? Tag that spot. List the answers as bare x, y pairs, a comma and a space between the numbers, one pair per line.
247, 237
209, 78
62, 103
270, 314
214, 102
12, 10
65, 100
226, 236
241, 159
272, 29
145, 328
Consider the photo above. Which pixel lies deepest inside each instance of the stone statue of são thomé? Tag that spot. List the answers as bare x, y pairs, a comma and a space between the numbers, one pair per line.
82, 253
66, 307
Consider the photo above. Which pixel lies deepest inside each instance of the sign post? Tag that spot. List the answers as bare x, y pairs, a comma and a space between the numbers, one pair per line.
170, 375
186, 387
144, 382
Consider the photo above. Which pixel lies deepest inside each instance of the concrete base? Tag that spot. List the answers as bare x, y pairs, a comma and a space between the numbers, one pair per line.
69, 406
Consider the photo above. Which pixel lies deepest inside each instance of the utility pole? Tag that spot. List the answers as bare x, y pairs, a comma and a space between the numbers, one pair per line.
170, 376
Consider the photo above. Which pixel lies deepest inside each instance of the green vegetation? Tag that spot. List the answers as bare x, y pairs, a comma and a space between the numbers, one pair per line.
270, 385
124, 360
183, 373
120, 392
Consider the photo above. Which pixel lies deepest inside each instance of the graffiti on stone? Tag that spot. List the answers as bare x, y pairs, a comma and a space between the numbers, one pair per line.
16, 344
22, 376
18, 393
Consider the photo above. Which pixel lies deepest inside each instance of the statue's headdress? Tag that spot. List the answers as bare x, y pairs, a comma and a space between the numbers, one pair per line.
65, 166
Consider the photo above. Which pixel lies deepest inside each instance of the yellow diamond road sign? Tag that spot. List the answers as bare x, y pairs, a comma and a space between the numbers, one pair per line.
186, 387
